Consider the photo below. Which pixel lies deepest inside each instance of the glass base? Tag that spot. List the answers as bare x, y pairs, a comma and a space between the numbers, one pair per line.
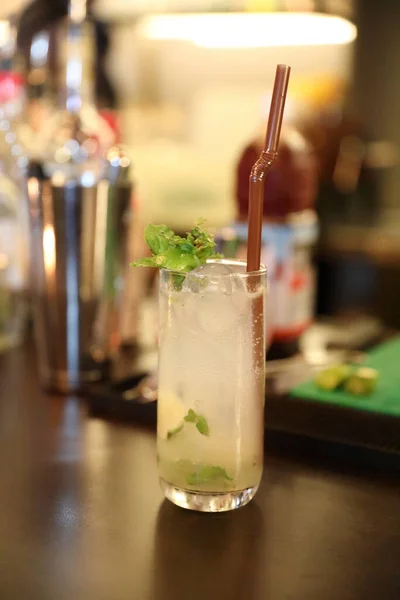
207, 501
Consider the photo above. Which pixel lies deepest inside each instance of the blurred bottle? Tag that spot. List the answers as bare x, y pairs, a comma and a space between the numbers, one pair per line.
42, 39
72, 132
289, 233
40, 101
13, 209
80, 205
348, 172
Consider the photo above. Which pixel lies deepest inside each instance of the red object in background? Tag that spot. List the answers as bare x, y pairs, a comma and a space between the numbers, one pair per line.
11, 86
111, 118
292, 180
291, 333
289, 195
298, 281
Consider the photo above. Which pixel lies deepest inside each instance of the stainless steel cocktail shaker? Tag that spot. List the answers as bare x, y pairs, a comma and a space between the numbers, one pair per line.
79, 236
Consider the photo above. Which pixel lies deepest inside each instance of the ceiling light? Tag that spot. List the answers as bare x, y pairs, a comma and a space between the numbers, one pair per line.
249, 30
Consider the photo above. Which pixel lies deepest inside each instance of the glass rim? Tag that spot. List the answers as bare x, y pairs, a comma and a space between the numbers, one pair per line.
224, 261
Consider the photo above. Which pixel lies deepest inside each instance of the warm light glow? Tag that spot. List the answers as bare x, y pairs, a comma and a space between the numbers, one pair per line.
49, 249
249, 30
3, 262
33, 195
4, 32
77, 10
33, 189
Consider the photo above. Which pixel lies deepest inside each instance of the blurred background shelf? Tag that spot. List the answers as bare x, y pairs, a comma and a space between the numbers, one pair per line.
188, 105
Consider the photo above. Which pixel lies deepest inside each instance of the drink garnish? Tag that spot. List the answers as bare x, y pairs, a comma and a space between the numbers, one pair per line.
199, 421
173, 432
362, 382
359, 381
333, 377
206, 474
176, 253
191, 417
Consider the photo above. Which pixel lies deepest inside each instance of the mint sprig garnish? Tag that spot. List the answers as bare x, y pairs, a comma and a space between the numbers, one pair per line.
207, 474
176, 253
199, 421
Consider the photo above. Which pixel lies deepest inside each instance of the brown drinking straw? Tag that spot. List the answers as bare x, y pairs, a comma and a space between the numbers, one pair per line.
256, 200
262, 166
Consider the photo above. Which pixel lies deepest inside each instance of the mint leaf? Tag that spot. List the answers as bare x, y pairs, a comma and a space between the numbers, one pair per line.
199, 421
176, 253
177, 259
173, 432
191, 416
149, 261
206, 474
202, 426
158, 238
177, 281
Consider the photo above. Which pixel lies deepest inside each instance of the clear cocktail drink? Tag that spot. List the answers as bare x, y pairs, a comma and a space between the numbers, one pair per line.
211, 385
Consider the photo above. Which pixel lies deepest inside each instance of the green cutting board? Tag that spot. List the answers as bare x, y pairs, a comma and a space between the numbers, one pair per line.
386, 397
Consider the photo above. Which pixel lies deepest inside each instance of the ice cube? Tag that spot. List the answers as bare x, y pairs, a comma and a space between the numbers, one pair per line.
213, 270
211, 277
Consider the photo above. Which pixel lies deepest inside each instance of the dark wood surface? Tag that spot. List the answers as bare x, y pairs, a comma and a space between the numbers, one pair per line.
82, 517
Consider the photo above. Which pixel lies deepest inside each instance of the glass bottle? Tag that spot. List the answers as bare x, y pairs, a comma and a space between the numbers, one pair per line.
13, 211
80, 197
289, 232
